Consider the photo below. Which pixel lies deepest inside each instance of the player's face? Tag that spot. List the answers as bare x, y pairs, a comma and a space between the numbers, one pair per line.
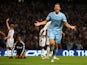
19, 38
11, 25
57, 8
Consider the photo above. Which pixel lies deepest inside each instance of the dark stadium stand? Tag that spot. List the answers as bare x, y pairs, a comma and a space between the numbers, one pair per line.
24, 14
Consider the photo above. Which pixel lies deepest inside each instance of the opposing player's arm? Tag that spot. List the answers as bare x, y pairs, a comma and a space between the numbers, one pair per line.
2, 33
23, 48
7, 37
40, 23
7, 23
69, 26
41, 32
63, 33
14, 46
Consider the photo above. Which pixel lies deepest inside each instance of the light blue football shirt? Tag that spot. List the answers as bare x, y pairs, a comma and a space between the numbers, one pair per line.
57, 20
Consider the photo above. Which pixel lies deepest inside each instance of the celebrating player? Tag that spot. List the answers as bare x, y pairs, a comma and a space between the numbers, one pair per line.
9, 38
57, 19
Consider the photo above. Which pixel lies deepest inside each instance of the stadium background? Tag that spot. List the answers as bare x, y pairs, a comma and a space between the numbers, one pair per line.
24, 14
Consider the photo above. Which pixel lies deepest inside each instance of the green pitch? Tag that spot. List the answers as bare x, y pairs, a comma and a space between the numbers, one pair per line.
36, 60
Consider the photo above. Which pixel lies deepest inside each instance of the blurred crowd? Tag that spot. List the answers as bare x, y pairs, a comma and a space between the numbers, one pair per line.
23, 16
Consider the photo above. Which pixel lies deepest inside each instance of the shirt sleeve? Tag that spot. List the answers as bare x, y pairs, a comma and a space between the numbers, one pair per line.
48, 17
41, 31
47, 25
23, 47
64, 18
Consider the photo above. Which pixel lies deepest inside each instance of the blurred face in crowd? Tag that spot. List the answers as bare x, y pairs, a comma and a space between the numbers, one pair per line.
57, 8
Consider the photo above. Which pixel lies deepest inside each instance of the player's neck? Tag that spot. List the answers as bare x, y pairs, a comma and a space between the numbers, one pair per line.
19, 40
12, 28
56, 12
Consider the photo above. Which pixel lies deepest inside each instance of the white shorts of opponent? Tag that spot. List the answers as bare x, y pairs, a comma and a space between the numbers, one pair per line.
10, 42
43, 41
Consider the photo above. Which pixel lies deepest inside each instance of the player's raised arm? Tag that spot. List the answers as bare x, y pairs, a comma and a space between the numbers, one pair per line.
69, 26
7, 23
40, 23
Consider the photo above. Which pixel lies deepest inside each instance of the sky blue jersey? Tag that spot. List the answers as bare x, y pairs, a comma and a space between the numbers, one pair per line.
57, 20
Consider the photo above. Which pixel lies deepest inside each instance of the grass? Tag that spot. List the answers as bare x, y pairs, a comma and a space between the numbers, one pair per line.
36, 60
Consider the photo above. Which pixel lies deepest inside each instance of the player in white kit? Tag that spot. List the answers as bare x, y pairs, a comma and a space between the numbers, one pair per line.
44, 41
9, 38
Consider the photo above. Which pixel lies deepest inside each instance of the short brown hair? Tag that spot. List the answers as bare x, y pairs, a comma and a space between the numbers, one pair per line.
12, 25
57, 4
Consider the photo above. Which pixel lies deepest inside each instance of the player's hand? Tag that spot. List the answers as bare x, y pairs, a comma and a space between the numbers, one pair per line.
37, 24
7, 19
5, 38
73, 27
3, 34
63, 34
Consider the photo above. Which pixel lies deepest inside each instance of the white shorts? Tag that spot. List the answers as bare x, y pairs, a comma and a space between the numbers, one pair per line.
10, 42
47, 41
43, 41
